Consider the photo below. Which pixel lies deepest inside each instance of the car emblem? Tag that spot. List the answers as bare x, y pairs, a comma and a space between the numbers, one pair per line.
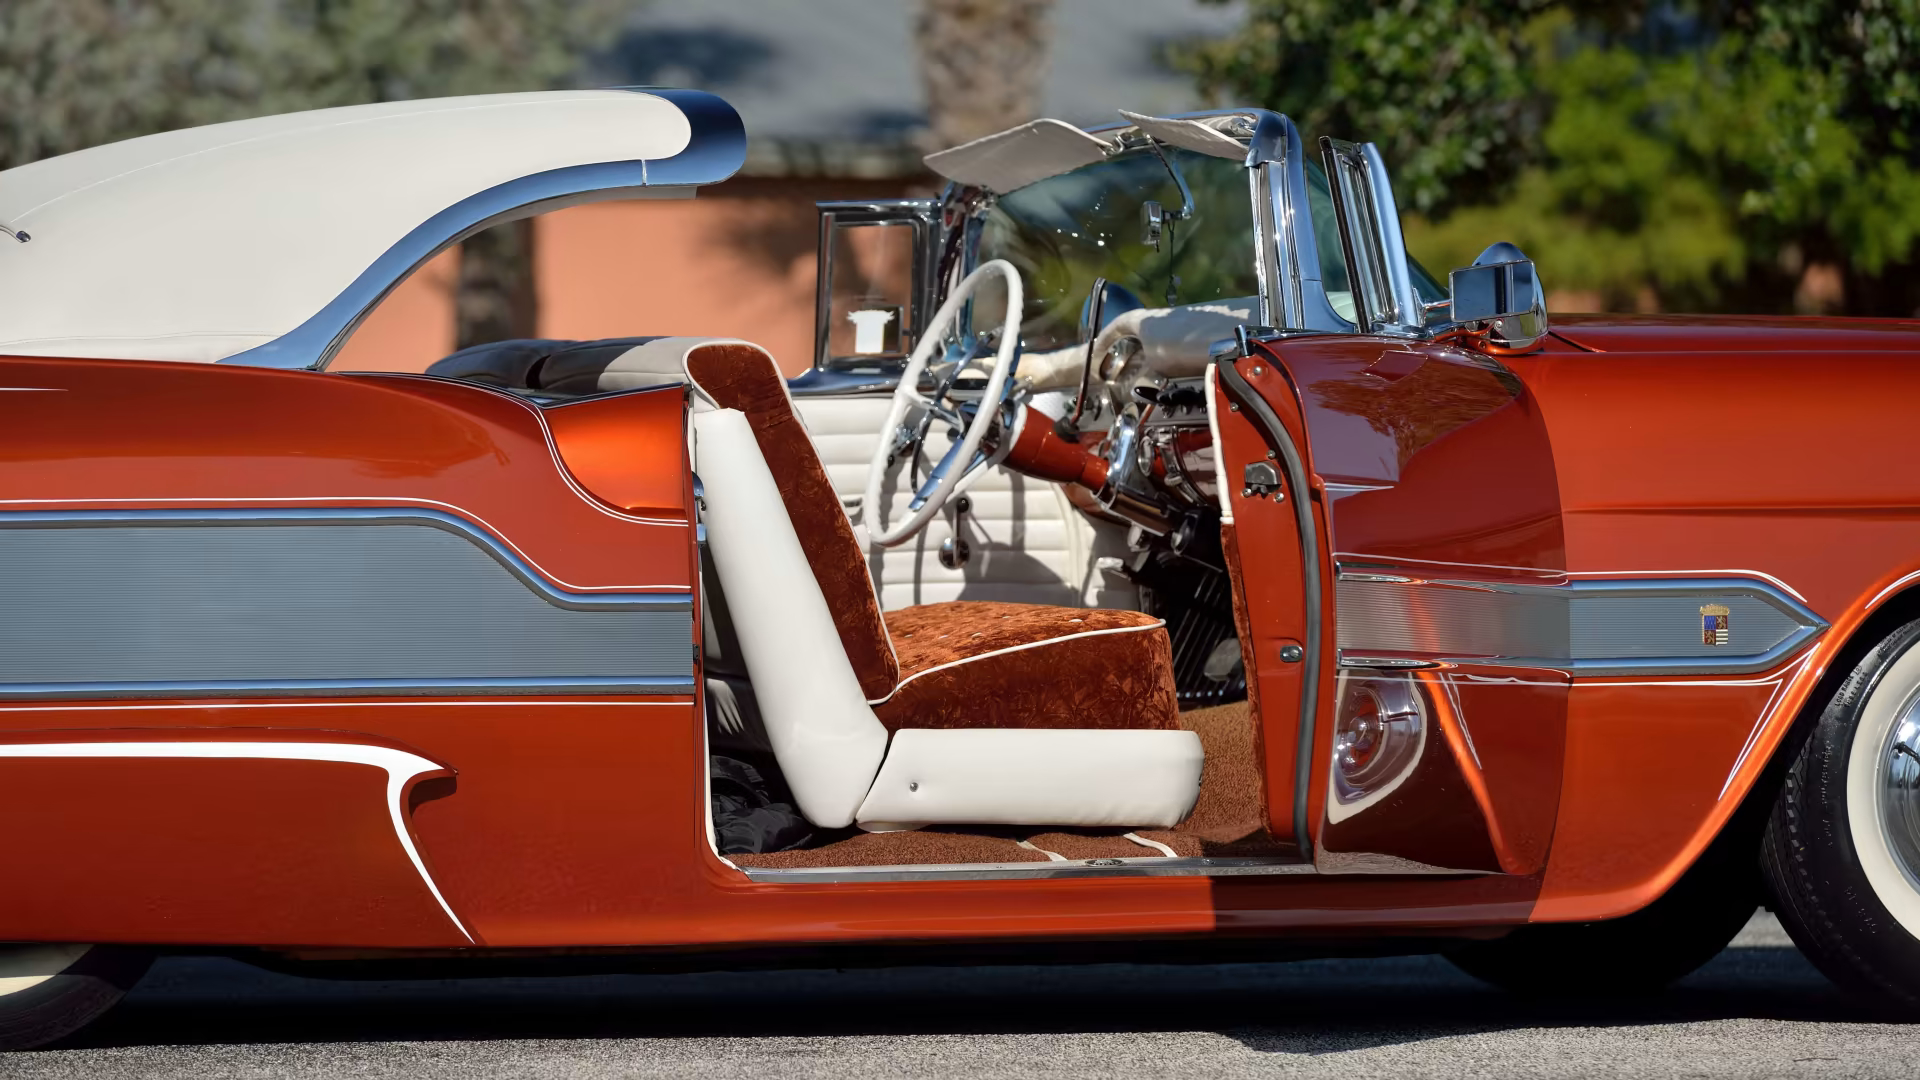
1713, 624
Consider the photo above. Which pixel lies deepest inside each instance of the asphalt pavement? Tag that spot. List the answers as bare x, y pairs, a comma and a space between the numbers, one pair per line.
1759, 1010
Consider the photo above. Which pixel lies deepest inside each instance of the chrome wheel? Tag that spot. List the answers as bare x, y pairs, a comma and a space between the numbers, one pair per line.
1883, 789
1899, 785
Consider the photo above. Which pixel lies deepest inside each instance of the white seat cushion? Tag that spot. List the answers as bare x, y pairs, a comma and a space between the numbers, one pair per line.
1034, 776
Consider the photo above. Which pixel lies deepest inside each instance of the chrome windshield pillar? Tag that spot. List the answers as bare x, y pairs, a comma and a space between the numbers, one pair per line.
1293, 293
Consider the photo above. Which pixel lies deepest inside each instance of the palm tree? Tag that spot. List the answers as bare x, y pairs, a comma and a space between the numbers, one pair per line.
981, 63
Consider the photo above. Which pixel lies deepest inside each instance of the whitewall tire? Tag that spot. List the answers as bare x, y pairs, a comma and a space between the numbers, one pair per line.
48, 992
1842, 853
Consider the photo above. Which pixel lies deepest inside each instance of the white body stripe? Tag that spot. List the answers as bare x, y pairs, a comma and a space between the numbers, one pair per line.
399, 766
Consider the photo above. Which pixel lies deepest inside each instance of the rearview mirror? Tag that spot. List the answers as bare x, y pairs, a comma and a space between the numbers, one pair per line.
1153, 223
1501, 288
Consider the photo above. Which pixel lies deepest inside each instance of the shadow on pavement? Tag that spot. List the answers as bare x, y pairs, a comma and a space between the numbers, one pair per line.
1306, 1007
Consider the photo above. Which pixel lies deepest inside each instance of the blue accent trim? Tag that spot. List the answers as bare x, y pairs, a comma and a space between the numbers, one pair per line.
716, 150
1810, 627
385, 515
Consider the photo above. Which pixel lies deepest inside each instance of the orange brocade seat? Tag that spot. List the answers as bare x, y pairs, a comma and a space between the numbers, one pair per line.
975, 664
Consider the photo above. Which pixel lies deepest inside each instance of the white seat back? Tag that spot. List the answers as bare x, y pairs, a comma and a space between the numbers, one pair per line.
826, 738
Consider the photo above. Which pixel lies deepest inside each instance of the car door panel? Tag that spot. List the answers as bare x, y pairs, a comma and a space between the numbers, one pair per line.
1429, 449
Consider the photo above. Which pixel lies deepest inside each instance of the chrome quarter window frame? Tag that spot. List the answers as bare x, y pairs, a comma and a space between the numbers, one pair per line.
715, 151
922, 215
1385, 302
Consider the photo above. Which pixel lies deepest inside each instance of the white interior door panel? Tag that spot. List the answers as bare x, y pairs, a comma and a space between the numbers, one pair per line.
1028, 543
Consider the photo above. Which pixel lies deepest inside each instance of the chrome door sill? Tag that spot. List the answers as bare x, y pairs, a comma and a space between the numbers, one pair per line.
1073, 868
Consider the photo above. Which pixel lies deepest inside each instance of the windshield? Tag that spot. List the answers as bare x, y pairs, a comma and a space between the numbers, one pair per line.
1067, 230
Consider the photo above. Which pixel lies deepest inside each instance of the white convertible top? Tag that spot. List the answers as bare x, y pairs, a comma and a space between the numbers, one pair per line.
206, 242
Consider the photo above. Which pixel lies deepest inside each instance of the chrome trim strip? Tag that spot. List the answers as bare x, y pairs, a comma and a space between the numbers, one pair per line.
1560, 655
1080, 868
1409, 317
649, 686
348, 515
1276, 434
716, 150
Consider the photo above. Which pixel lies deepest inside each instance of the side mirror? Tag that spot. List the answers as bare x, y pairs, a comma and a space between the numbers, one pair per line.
1501, 288
1153, 223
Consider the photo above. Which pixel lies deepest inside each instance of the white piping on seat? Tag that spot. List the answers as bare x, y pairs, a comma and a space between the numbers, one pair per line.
1154, 844
1154, 625
1052, 856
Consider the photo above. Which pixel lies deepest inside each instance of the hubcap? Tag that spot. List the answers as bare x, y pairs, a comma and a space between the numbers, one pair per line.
1899, 792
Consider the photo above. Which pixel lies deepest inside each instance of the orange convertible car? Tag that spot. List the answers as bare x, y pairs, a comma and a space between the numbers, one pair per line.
1156, 563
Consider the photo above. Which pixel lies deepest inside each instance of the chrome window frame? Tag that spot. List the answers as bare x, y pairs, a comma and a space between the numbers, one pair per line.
1376, 251
715, 151
924, 216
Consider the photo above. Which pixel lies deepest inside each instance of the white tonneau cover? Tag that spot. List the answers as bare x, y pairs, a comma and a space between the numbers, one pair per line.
202, 243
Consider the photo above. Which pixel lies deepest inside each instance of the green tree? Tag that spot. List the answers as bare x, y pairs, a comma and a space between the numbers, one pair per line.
76, 73
1754, 156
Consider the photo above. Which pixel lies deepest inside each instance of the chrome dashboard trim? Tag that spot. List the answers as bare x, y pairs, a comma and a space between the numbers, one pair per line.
1590, 627
715, 151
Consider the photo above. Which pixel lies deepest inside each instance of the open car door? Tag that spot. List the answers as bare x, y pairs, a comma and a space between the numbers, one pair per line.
1414, 708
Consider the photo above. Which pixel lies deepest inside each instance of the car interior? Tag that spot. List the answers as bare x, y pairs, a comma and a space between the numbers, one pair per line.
1038, 672
1022, 708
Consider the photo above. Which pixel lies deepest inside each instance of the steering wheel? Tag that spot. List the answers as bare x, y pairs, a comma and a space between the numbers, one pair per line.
906, 438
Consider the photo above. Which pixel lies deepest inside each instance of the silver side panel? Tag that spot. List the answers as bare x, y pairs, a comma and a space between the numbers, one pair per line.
222, 603
1590, 627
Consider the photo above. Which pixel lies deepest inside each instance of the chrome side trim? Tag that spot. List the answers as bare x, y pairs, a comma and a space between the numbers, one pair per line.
1276, 434
717, 149
351, 515
1587, 627
1081, 868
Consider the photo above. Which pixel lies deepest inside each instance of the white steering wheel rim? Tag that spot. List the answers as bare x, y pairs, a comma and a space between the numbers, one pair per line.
906, 395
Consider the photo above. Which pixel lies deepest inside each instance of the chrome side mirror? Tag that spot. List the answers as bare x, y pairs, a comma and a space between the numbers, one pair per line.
1153, 223
1502, 289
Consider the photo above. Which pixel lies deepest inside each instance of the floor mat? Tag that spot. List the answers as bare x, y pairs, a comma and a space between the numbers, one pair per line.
916, 848
1229, 819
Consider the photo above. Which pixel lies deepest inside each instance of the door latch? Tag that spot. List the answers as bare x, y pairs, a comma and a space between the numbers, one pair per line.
1261, 479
